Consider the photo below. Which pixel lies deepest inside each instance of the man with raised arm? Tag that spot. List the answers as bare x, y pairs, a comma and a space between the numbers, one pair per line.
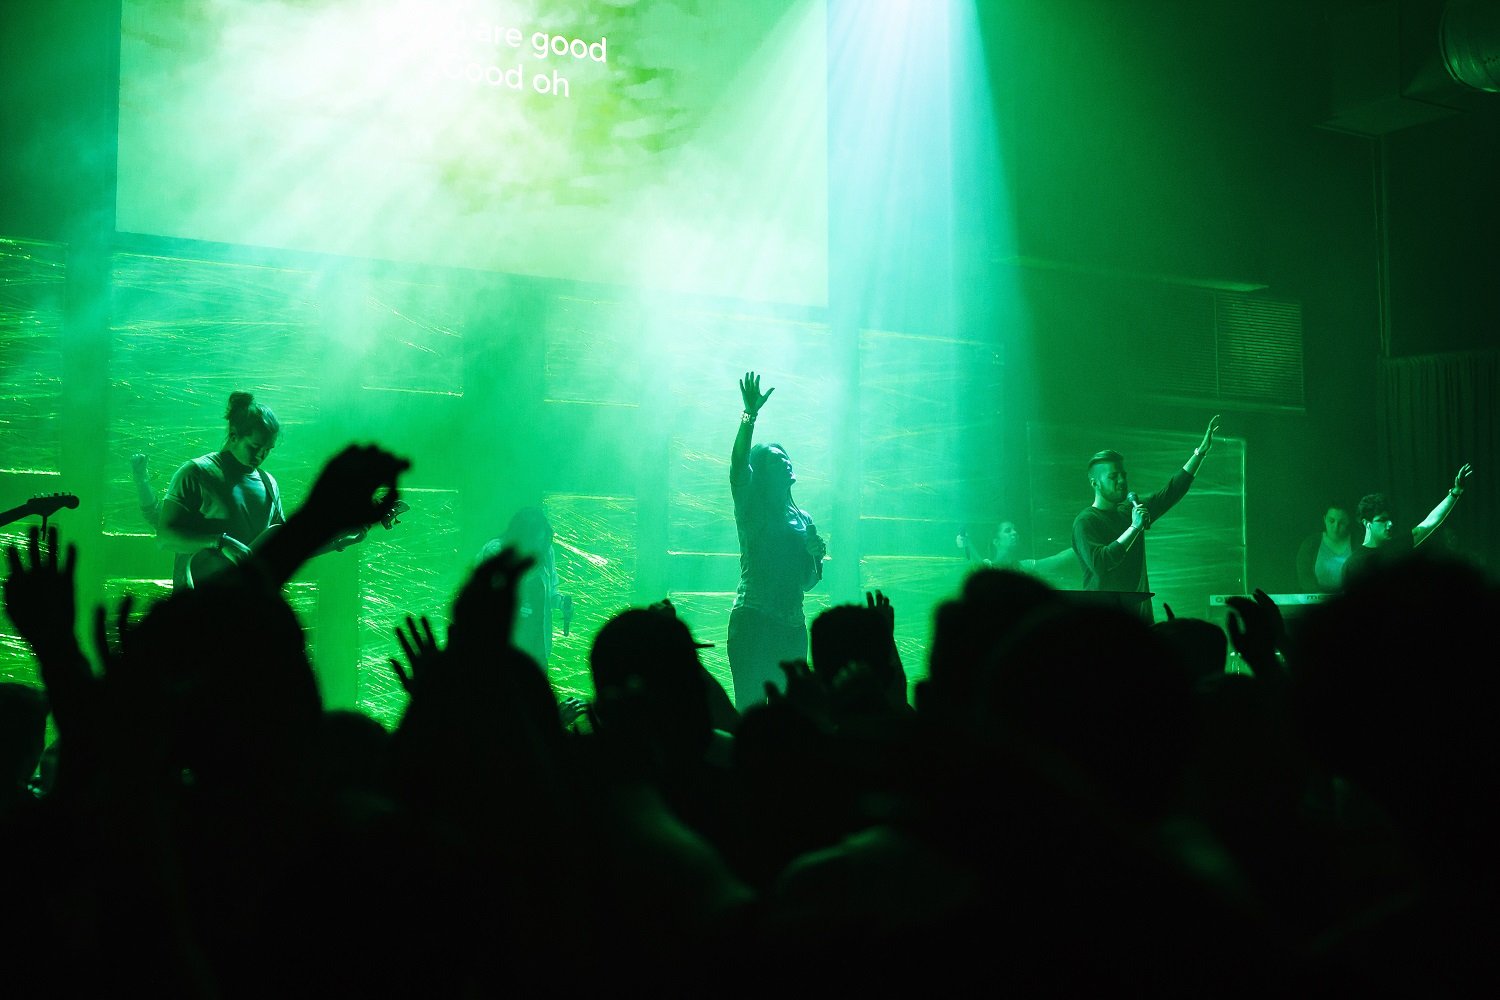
1109, 537
1381, 542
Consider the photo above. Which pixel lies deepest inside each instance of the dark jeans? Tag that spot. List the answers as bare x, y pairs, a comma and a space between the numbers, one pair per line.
757, 645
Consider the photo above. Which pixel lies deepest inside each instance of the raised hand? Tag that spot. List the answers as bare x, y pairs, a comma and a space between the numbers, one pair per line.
355, 489
751, 395
109, 651
804, 692
878, 602
420, 647
39, 592
1208, 435
570, 709
485, 610
1256, 630
1463, 473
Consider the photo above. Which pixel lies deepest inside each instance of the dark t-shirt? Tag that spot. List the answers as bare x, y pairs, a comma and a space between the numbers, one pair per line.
1363, 559
1107, 565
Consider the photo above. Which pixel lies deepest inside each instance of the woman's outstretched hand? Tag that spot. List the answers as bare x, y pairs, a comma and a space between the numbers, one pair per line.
751, 394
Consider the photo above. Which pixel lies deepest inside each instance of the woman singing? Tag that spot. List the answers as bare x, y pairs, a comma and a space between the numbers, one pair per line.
781, 556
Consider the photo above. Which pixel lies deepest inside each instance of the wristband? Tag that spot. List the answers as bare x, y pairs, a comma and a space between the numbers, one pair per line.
747, 417
1456, 492
1198, 454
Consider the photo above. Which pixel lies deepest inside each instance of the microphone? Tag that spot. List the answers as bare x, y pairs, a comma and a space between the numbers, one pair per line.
1134, 501
1132, 498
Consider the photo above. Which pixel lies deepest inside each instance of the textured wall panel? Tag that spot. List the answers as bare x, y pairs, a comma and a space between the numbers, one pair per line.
912, 420
595, 546
413, 569
31, 318
411, 335
593, 350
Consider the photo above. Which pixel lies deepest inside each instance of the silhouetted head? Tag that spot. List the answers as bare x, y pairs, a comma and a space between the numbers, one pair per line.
1095, 686
849, 635
649, 684
1201, 645
253, 429
241, 699
1395, 690
966, 631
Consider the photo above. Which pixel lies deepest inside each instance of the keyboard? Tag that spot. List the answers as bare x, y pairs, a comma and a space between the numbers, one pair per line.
1281, 600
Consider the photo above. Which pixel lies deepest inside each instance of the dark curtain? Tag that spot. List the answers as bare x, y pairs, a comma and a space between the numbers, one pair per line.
1440, 411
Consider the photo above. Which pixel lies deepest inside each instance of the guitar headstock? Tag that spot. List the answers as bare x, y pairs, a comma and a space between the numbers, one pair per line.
393, 518
47, 504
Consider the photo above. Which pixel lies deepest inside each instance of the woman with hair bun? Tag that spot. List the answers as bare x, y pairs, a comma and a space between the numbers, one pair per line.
223, 501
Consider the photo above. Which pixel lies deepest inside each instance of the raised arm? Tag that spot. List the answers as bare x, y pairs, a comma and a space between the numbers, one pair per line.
1440, 513
750, 395
357, 487
1192, 464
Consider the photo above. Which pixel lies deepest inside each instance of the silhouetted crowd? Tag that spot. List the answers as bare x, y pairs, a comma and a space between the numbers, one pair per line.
1077, 800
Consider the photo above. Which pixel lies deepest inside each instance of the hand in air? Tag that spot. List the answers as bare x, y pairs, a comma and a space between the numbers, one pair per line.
420, 647
571, 709
804, 692
751, 395
39, 591
485, 610
1208, 435
1463, 473
1256, 630
356, 489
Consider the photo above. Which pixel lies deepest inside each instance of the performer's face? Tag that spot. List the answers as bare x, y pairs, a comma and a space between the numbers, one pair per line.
1110, 482
1008, 537
251, 449
1378, 530
1336, 523
780, 465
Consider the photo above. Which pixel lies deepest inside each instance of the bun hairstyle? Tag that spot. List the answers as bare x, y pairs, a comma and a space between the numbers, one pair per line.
246, 416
